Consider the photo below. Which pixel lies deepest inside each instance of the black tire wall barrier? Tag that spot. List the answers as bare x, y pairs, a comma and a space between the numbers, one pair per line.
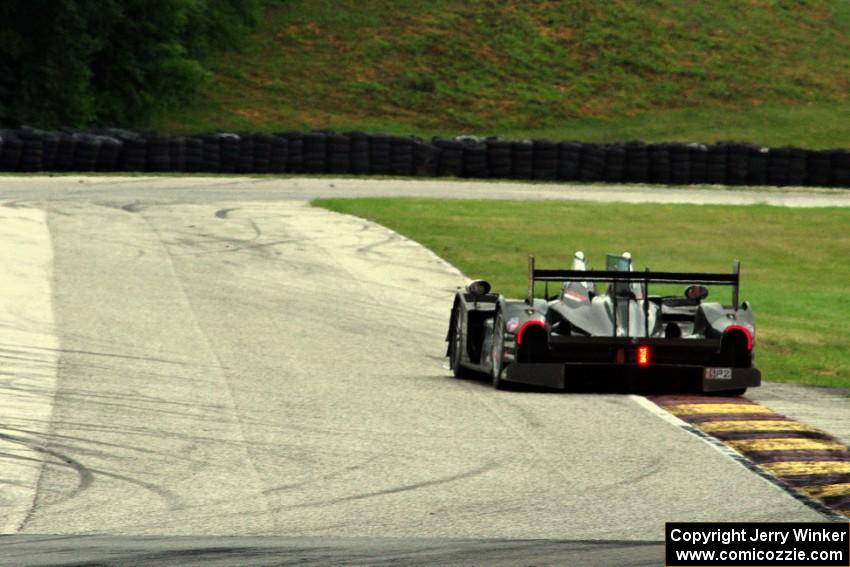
361, 153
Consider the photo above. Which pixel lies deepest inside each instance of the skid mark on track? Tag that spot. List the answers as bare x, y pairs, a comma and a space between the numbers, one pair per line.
807, 462
222, 213
252, 475
29, 351
85, 476
396, 489
324, 478
118, 355
135, 207
15, 205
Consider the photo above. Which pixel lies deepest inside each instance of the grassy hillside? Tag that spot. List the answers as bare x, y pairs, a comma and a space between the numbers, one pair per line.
771, 71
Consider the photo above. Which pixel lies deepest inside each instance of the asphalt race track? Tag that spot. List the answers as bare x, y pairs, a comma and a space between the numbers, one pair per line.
194, 357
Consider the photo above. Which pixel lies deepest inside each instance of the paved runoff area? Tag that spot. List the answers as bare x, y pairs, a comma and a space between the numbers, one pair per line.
222, 188
215, 359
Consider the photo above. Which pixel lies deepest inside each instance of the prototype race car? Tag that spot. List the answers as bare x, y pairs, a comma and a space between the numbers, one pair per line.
622, 337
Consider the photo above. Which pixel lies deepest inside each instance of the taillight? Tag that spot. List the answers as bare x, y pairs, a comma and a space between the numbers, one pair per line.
527, 324
742, 329
643, 355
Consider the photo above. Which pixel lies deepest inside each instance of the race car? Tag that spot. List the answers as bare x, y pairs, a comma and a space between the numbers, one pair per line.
621, 337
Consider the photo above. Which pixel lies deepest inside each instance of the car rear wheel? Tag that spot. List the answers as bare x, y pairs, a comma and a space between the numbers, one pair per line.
497, 353
456, 347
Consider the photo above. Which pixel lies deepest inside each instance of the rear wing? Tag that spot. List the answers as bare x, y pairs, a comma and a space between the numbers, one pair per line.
646, 277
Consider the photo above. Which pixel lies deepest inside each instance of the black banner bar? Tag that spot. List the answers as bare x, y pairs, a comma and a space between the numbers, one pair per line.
804, 544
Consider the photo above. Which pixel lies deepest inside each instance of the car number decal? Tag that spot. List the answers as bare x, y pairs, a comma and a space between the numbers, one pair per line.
718, 373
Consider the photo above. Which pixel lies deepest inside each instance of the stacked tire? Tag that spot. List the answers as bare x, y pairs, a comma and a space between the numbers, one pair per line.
499, 162
358, 147
592, 163
279, 154
32, 150
261, 158
193, 154
210, 153
840, 168
698, 166
359, 153
380, 154
522, 159
450, 162
401, 156
680, 164
615, 164
818, 167
12, 149
545, 160
569, 160
474, 157
294, 151
339, 153
110, 153
637, 162
229, 150
426, 158
87, 150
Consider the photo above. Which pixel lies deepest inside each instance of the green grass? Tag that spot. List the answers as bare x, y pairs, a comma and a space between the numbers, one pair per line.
767, 71
811, 126
795, 262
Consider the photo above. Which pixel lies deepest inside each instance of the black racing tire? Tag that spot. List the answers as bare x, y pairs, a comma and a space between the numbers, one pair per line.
455, 346
497, 353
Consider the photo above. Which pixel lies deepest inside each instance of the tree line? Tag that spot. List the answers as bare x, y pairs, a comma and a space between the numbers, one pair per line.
109, 62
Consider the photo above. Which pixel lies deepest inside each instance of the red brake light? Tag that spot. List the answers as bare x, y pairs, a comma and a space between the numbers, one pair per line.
643, 355
744, 330
532, 323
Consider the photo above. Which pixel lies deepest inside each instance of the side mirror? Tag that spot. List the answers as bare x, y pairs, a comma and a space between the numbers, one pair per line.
696, 292
478, 287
